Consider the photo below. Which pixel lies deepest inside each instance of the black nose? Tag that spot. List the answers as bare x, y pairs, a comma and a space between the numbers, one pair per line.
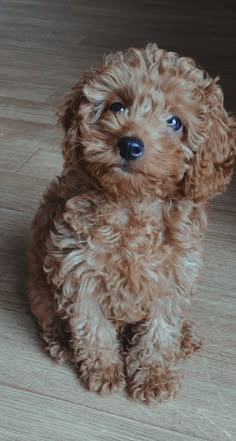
130, 148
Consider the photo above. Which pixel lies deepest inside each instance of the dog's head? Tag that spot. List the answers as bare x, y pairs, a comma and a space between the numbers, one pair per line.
148, 122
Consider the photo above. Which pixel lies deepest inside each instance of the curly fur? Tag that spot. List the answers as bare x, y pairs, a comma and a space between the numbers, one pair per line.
116, 252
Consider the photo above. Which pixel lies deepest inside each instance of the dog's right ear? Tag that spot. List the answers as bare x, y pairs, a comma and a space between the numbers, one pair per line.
68, 119
69, 109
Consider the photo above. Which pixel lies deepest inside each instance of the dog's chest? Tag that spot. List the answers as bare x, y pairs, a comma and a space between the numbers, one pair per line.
127, 235
125, 255
119, 246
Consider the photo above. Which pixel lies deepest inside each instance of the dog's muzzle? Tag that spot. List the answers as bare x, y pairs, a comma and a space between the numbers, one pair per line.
130, 148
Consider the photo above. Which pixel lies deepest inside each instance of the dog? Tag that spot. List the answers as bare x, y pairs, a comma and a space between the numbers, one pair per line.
117, 242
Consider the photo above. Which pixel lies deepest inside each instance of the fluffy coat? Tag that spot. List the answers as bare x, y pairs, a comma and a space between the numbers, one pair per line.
116, 248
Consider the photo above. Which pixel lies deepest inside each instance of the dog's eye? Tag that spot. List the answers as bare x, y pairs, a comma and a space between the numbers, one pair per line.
117, 107
175, 123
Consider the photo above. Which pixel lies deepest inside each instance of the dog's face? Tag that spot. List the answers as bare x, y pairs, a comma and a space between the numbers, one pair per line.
150, 123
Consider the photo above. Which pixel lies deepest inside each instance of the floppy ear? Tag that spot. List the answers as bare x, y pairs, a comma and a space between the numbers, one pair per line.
68, 119
212, 165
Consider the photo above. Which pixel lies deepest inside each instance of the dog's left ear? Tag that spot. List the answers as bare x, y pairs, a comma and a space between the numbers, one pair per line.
212, 165
68, 119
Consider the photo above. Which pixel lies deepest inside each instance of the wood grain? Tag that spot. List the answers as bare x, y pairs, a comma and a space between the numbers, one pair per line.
44, 47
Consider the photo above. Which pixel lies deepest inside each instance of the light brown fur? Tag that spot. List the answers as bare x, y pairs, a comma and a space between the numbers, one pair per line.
116, 253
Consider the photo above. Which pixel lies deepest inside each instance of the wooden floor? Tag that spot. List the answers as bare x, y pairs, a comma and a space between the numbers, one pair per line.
44, 46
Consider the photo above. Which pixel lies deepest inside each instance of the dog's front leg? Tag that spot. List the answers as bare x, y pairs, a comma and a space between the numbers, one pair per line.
150, 359
96, 349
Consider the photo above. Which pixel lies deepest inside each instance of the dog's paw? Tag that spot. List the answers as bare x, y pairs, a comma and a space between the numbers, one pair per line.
103, 380
190, 342
154, 382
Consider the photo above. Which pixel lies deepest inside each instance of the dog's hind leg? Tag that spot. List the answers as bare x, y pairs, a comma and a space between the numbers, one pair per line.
54, 340
52, 328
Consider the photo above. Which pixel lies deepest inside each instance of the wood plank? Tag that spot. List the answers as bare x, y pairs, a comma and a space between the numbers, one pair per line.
44, 418
43, 164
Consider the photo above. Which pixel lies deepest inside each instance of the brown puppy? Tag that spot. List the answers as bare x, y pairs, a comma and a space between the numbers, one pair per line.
117, 241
